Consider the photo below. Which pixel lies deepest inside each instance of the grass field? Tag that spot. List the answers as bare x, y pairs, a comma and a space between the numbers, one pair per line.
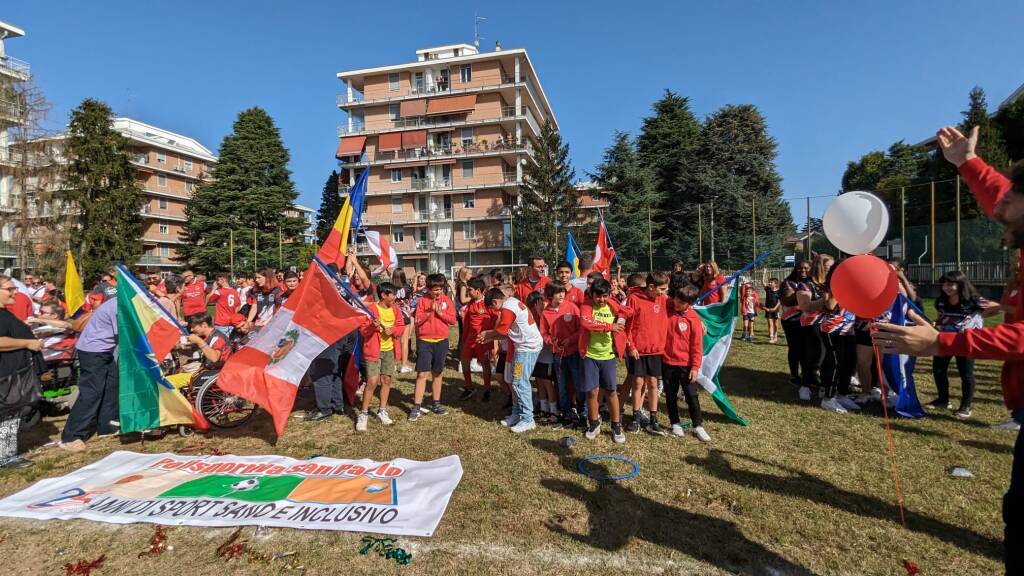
799, 491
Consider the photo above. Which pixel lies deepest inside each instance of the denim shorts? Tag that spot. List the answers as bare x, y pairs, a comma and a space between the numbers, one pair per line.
599, 373
430, 356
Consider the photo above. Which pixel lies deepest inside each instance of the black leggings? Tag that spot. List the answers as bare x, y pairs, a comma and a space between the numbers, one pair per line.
794, 345
839, 364
965, 366
677, 377
813, 354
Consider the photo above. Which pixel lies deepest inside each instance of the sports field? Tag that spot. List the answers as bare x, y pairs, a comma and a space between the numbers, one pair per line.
799, 491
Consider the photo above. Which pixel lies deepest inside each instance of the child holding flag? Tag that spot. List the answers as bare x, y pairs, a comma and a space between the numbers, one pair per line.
380, 353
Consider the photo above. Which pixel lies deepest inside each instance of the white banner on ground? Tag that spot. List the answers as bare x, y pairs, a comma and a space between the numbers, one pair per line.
397, 497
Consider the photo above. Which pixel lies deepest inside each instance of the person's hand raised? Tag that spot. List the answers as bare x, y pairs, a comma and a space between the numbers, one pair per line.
957, 148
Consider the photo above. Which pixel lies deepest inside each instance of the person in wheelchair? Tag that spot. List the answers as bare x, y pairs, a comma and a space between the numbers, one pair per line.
212, 343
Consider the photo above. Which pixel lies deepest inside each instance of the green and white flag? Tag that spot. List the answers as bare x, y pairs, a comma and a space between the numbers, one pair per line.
719, 322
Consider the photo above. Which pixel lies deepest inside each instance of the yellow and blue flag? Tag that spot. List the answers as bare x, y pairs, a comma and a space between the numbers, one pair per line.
572, 256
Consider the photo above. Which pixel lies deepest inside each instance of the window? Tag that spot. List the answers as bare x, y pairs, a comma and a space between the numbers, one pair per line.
161, 180
189, 186
396, 204
423, 234
467, 168
161, 157
393, 82
394, 111
467, 137
506, 234
397, 235
468, 230
163, 203
396, 174
188, 166
165, 229
165, 251
466, 73
469, 200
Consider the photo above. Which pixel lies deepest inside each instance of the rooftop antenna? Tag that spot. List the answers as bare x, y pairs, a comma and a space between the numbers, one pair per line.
476, 30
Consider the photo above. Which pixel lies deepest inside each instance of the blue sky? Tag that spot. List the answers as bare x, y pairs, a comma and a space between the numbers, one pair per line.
833, 79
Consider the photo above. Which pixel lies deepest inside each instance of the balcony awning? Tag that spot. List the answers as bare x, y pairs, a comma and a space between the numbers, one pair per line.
406, 165
350, 146
414, 139
443, 161
412, 108
450, 105
389, 141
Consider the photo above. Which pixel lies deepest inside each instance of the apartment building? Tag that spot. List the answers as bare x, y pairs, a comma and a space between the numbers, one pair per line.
445, 138
12, 114
306, 213
170, 166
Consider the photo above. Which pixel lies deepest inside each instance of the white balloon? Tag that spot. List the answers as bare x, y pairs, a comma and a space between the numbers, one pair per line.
856, 222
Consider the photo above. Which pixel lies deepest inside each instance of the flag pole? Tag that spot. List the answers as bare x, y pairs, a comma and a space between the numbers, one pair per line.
735, 275
140, 288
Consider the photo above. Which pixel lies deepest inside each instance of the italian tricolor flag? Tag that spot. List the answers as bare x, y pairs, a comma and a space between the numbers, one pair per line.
146, 333
719, 322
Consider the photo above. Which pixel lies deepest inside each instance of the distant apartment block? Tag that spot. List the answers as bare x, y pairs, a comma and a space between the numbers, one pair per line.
12, 114
445, 139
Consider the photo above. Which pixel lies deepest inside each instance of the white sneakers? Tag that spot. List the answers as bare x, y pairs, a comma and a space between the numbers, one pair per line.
847, 402
1011, 425
382, 415
804, 393
523, 426
510, 420
361, 421
406, 369
833, 405
678, 431
701, 434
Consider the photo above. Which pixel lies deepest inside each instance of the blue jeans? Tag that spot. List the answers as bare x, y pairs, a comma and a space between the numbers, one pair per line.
522, 368
568, 370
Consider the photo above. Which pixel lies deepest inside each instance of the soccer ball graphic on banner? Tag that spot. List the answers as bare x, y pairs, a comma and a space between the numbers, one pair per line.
248, 484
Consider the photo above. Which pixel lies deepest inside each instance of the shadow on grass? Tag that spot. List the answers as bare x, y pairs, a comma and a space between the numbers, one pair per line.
990, 446
799, 484
618, 514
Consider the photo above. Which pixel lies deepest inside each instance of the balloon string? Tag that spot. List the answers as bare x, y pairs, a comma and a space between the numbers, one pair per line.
888, 436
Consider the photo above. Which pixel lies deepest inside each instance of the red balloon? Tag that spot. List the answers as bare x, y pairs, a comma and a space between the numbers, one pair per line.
865, 285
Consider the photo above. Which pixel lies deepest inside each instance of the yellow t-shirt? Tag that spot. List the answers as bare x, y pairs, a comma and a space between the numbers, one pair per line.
600, 345
387, 320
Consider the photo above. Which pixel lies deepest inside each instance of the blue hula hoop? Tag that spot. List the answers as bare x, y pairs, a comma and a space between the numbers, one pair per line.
582, 469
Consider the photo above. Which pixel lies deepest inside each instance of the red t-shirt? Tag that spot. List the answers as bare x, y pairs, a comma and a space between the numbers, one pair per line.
22, 307
476, 317
193, 298
713, 284
227, 303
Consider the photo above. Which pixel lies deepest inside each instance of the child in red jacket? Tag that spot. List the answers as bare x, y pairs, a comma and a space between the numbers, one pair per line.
749, 303
380, 353
646, 330
476, 317
435, 314
683, 355
560, 328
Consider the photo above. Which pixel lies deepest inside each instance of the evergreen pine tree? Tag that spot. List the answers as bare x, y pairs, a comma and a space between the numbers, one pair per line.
250, 192
990, 143
1010, 122
548, 201
736, 170
101, 183
330, 206
634, 214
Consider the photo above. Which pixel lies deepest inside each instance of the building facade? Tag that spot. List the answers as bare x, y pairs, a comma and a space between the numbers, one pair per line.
445, 139
170, 166
13, 73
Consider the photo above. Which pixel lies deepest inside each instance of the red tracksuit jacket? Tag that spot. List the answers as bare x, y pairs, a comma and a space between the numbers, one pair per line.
684, 340
649, 323
1006, 341
371, 337
561, 324
430, 325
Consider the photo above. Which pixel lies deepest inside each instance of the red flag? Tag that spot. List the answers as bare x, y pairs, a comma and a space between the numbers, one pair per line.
382, 249
267, 371
604, 254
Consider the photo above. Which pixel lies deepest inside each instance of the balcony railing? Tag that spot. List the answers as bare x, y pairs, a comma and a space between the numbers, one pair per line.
12, 109
14, 65
456, 150
420, 122
428, 90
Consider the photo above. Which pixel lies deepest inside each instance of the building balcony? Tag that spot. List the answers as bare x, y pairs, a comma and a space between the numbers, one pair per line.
457, 151
438, 216
437, 89
142, 161
14, 67
361, 128
12, 112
